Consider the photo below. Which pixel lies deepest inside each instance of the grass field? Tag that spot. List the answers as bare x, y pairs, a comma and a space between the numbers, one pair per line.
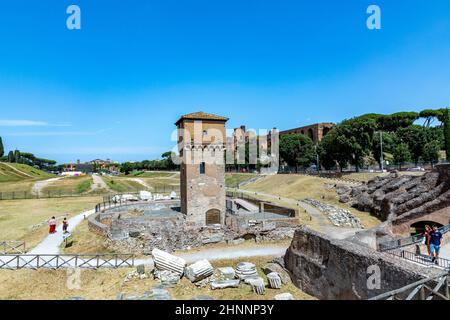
301, 186
13, 172
154, 174
69, 185
17, 217
121, 184
108, 283
234, 179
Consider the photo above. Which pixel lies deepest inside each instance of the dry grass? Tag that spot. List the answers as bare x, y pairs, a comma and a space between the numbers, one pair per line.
108, 283
232, 180
68, 185
20, 187
18, 216
85, 241
299, 187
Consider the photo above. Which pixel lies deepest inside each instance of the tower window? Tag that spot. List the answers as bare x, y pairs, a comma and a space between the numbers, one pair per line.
202, 168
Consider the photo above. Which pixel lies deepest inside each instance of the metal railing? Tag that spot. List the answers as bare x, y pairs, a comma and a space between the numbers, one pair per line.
421, 258
12, 247
403, 242
57, 261
426, 289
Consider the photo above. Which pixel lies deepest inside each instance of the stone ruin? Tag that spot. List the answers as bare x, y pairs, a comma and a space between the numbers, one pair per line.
170, 269
403, 199
139, 227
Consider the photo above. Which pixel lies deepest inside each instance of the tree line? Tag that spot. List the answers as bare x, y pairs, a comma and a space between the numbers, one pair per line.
28, 158
358, 141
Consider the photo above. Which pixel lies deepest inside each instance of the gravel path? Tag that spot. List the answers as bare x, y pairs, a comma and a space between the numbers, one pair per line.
98, 183
40, 185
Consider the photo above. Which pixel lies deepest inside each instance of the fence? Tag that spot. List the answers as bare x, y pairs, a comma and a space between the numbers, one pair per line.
12, 247
93, 261
22, 195
421, 290
398, 243
421, 259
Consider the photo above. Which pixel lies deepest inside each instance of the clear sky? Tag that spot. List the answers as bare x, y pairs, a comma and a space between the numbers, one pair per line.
115, 88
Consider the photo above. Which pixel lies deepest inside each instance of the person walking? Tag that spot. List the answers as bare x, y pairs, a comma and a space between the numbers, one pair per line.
52, 225
65, 225
427, 238
435, 243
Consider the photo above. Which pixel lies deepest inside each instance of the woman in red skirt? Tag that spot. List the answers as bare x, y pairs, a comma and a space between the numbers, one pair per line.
52, 224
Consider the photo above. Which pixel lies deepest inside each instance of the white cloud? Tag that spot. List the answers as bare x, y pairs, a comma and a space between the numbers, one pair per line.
138, 150
21, 123
30, 123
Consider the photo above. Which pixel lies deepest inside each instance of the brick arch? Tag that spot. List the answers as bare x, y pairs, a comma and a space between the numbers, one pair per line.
441, 217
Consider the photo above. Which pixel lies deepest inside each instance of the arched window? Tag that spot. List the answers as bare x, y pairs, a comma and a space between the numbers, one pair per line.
212, 216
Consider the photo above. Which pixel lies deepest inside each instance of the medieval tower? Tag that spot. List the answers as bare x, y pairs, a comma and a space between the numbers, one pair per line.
201, 144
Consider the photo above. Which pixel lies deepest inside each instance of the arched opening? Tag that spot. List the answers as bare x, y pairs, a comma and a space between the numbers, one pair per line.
419, 227
212, 216
325, 131
249, 236
311, 134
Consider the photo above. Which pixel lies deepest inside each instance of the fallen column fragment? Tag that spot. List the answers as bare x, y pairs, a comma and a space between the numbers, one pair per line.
199, 270
166, 261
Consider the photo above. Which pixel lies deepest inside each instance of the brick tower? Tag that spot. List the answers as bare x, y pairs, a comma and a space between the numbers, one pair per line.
201, 144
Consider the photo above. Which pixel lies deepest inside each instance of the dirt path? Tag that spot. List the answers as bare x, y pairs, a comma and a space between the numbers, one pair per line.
40, 185
98, 183
324, 225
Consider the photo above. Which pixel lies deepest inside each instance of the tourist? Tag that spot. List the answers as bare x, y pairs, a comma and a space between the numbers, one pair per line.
427, 238
435, 243
65, 225
52, 224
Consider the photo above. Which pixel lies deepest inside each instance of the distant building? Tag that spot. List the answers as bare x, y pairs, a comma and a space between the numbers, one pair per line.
315, 131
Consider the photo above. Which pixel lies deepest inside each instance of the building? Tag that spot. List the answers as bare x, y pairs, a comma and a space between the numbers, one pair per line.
201, 142
315, 131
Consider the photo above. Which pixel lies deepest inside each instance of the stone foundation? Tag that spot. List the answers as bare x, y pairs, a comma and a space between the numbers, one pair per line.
338, 269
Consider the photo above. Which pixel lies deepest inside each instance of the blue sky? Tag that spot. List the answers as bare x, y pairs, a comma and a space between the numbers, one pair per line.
115, 88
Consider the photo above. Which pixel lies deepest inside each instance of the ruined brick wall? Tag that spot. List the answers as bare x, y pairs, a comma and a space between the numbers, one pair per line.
337, 269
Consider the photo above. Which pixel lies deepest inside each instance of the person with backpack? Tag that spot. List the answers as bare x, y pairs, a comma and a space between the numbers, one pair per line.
435, 243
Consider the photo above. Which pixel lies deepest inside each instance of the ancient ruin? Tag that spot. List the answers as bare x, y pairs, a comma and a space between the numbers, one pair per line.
203, 214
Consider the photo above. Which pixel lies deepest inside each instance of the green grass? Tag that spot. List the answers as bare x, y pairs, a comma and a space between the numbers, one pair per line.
234, 179
123, 185
153, 174
68, 185
84, 186
15, 172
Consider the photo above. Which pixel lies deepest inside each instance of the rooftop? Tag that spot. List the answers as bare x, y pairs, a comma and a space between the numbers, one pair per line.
201, 116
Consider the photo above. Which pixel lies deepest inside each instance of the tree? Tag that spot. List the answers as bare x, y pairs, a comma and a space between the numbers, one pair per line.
2, 149
397, 120
126, 167
297, 150
351, 141
17, 156
446, 121
401, 154
388, 144
431, 152
11, 157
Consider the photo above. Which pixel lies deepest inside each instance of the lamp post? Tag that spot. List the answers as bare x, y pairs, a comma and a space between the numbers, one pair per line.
381, 151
